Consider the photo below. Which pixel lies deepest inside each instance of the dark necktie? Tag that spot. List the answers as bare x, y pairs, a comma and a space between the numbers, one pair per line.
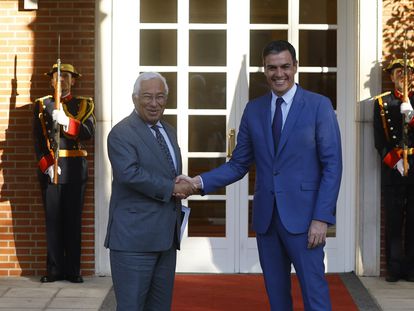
277, 122
164, 148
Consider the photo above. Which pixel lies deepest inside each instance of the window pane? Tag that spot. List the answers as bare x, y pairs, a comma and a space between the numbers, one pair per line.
207, 48
252, 179
207, 90
258, 85
317, 48
171, 78
207, 134
259, 39
211, 11
158, 48
326, 12
251, 233
208, 219
158, 11
171, 119
196, 166
323, 83
268, 12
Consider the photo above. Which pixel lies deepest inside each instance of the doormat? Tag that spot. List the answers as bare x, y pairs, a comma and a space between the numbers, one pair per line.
246, 292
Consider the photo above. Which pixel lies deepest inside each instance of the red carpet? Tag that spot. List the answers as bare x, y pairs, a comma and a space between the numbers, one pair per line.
243, 292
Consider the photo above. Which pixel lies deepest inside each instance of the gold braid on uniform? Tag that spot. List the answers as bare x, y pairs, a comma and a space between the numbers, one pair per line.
86, 107
384, 121
40, 101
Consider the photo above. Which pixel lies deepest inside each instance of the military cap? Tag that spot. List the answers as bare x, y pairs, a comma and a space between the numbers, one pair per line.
64, 67
399, 63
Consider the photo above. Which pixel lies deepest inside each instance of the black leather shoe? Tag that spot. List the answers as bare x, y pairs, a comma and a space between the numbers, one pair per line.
74, 279
409, 278
50, 279
392, 278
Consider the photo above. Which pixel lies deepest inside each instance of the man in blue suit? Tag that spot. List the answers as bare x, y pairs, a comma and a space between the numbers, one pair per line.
144, 214
292, 136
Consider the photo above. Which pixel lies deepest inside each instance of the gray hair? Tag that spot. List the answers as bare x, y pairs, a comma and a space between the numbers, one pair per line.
148, 76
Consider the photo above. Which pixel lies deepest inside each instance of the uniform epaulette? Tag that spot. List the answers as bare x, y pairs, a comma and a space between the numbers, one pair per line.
41, 99
382, 95
85, 97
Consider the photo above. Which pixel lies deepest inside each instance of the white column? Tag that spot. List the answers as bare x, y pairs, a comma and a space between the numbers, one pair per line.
103, 114
368, 168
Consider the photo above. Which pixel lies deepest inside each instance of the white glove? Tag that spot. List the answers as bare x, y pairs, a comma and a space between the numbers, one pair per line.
400, 166
407, 110
61, 117
51, 172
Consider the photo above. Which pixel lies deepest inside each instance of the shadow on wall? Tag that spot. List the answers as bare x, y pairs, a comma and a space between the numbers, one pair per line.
19, 187
399, 27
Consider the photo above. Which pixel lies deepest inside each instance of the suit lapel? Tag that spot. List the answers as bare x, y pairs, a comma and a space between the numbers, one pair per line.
266, 115
149, 139
173, 139
294, 113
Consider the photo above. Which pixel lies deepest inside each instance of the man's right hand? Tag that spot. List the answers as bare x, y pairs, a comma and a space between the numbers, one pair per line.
186, 186
51, 172
407, 110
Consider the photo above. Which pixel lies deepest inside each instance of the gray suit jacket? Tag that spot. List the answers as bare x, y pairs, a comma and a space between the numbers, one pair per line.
143, 215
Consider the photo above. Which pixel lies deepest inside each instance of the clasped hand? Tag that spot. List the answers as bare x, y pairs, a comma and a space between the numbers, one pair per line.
186, 186
407, 110
59, 116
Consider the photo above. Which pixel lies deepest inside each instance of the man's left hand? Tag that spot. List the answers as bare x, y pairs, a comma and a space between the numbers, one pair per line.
317, 233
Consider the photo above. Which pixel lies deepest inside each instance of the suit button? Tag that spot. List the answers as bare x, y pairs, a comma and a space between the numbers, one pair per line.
276, 173
272, 192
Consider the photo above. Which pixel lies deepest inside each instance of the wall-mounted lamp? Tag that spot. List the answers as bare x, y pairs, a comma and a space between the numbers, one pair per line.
30, 4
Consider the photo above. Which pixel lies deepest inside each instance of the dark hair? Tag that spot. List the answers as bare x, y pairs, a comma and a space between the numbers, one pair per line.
275, 47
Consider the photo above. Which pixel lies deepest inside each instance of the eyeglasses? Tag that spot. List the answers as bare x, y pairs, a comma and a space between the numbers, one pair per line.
147, 98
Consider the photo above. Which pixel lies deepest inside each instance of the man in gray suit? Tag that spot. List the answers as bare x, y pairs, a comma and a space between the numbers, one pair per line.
145, 214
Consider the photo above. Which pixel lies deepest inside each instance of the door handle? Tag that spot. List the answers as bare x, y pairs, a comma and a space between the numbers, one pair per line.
231, 142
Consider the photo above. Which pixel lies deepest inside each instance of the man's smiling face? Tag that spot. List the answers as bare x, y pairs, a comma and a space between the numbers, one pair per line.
280, 70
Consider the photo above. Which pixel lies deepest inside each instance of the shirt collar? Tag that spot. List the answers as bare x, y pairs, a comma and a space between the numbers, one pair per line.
288, 96
149, 125
67, 97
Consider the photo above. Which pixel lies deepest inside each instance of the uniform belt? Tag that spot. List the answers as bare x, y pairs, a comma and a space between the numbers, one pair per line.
72, 153
410, 151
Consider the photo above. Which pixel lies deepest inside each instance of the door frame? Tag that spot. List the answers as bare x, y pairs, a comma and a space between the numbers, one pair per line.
114, 80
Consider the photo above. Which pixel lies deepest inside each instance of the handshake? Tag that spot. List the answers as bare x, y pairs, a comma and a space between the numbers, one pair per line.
185, 186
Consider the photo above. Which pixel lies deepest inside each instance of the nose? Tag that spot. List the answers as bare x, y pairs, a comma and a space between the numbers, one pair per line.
278, 72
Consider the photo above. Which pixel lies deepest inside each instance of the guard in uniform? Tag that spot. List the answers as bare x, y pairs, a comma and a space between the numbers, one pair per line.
397, 189
63, 200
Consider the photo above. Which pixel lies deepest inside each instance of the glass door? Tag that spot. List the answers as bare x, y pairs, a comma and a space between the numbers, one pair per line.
210, 53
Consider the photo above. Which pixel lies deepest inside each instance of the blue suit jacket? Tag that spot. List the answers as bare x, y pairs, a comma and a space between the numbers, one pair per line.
143, 215
304, 176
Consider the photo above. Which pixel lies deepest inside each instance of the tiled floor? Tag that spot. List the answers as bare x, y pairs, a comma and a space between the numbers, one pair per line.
397, 296
27, 293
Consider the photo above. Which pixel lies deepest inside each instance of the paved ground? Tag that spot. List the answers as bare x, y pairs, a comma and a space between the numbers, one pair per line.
397, 296
27, 293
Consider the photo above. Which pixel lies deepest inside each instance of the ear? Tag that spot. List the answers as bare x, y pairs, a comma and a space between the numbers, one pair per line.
72, 82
